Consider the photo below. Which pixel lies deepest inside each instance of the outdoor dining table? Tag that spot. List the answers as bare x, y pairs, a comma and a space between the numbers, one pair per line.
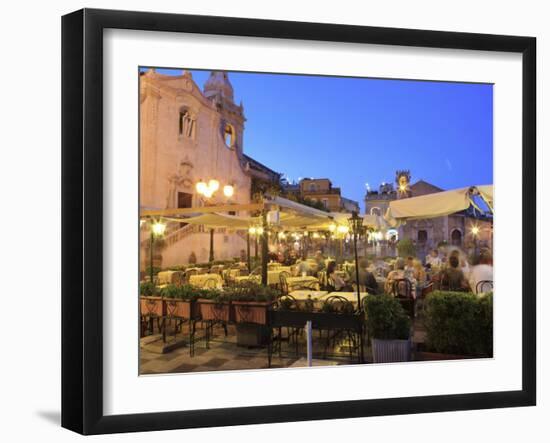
231, 273
272, 276
349, 296
168, 277
308, 280
199, 280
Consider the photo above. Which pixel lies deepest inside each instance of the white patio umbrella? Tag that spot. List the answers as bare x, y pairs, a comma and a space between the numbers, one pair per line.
437, 204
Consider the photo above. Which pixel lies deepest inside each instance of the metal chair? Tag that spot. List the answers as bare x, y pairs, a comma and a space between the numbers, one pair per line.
481, 285
210, 283
337, 304
322, 276
283, 283
288, 303
402, 290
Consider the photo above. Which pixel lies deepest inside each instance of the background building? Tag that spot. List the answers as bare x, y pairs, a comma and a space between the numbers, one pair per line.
464, 229
321, 190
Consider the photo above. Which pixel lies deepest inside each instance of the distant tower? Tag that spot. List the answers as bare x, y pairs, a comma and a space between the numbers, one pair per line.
219, 90
403, 182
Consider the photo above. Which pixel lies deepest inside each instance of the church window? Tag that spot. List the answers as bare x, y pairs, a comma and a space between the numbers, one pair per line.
229, 135
422, 236
187, 124
375, 211
456, 237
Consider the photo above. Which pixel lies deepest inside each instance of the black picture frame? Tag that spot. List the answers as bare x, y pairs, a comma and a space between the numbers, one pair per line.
82, 218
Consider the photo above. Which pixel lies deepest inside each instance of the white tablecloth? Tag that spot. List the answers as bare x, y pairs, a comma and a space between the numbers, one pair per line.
297, 282
168, 277
272, 277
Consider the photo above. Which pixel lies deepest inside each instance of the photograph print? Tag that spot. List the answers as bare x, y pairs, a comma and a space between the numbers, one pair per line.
294, 220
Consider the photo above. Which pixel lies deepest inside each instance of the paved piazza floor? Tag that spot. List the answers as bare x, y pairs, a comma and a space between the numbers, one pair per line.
224, 354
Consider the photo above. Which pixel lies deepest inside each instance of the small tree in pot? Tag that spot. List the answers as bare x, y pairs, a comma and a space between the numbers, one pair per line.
389, 328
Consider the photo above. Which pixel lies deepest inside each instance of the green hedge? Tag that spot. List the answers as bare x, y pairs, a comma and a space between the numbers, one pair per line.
459, 323
386, 318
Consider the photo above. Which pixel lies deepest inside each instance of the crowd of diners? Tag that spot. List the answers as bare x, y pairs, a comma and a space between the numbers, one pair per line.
446, 270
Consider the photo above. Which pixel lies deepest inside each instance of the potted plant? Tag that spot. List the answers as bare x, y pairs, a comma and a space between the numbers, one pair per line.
214, 305
180, 301
406, 248
251, 301
389, 328
458, 325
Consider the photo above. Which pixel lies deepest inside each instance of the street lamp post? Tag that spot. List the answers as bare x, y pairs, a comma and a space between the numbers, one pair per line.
157, 230
356, 223
207, 191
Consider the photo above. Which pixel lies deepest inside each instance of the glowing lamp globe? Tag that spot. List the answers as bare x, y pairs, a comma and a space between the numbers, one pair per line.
228, 191
158, 228
201, 187
213, 185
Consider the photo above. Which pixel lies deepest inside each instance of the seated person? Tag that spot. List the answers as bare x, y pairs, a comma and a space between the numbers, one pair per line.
433, 259
366, 278
397, 274
335, 280
452, 275
320, 260
419, 273
290, 257
302, 268
482, 272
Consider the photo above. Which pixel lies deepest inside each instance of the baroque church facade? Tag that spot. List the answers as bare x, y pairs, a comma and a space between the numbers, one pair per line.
188, 135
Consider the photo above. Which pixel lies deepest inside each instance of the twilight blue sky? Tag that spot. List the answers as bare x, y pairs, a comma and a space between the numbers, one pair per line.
357, 131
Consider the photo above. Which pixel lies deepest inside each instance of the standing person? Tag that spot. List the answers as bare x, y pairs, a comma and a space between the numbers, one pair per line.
481, 272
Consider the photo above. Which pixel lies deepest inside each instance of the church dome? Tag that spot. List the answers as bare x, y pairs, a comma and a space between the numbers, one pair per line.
218, 84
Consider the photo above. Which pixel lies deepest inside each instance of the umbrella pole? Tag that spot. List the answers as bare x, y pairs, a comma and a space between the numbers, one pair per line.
211, 257
151, 273
248, 251
264, 249
357, 272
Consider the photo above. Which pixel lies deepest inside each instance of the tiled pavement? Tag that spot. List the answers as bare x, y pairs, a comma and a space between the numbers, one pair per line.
224, 355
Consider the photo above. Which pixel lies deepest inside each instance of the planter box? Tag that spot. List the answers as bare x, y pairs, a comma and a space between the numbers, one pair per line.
251, 335
391, 351
211, 310
180, 308
151, 306
251, 311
